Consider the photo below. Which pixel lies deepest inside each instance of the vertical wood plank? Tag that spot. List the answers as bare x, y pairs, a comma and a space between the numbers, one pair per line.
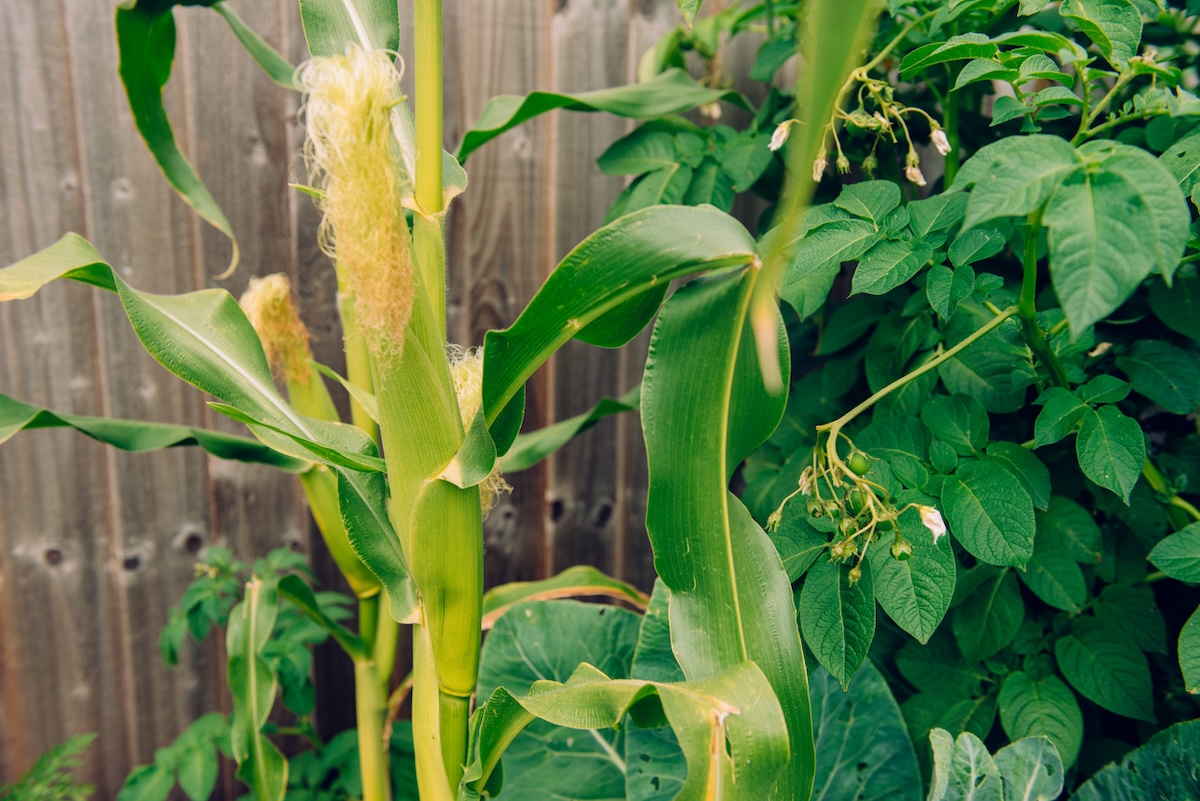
499, 245
145, 232
588, 46
61, 670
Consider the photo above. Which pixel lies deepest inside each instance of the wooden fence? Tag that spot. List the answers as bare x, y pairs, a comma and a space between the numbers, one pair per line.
96, 545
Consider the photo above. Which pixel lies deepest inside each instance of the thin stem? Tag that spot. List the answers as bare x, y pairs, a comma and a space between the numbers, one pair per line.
950, 126
1027, 306
836, 426
1180, 509
1087, 119
428, 235
383, 649
372, 751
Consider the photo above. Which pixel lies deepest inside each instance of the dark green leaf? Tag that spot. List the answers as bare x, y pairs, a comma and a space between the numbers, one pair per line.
798, 544
1069, 522
990, 513
989, 370
889, 264
1014, 176
1029, 470
1179, 554
1162, 768
957, 48
989, 618
946, 288
1060, 414
837, 619
975, 245
863, 751
958, 420
1106, 667
152, 782
1053, 574
915, 593
1104, 389
1163, 373
870, 200
146, 40
1134, 610
1189, 653
1114, 25
1178, 306
936, 213
1042, 708
1111, 450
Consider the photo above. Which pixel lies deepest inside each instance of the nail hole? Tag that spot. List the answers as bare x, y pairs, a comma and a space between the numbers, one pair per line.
556, 510
53, 556
602, 514
193, 542
131, 562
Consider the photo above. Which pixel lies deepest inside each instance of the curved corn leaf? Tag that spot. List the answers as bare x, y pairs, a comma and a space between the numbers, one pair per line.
530, 448
138, 436
276, 67
736, 704
205, 339
731, 599
670, 92
574, 582
294, 588
253, 685
146, 40
625, 259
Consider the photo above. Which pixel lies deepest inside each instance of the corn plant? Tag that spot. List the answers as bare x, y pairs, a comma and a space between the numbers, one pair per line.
399, 493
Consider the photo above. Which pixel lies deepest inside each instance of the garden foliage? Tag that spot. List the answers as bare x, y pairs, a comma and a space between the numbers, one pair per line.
974, 409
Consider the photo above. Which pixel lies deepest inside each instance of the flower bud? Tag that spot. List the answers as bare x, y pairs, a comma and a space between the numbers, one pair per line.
901, 549
843, 164
819, 167
931, 518
781, 135
939, 140
913, 173
855, 575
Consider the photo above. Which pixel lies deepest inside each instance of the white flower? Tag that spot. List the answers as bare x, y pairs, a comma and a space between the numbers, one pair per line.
938, 137
913, 173
711, 110
933, 521
819, 167
781, 135
806, 481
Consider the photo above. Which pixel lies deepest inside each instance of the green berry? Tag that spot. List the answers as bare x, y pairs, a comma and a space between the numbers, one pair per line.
859, 463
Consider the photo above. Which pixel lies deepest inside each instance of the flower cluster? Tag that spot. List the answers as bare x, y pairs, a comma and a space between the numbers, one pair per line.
845, 493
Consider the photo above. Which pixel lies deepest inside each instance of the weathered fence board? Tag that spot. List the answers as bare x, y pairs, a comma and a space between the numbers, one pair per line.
95, 546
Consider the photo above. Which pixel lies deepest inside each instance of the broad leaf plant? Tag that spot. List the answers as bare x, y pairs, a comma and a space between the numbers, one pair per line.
953, 374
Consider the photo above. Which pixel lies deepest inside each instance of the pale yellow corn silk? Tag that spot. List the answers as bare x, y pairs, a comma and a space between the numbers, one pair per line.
466, 370
268, 304
352, 159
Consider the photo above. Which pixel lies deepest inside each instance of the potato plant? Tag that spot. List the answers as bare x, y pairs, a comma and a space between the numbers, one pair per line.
975, 408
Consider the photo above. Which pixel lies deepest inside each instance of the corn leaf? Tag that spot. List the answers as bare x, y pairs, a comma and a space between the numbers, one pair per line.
253, 685
736, 704
205, 339
139, 436
605, 276
670, 92
146, 40
530, 448
731, 599
276, 67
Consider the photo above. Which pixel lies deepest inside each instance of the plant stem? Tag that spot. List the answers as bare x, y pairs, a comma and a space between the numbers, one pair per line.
372, 751
950, 126
432, 777
428, 237
1086, 119
383, 648
1180, 509
1027, 306
836, 426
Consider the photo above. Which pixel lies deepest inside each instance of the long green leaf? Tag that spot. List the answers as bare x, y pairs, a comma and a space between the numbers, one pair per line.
330, 24
205, 339
736, 704
301, 595
139, 436
276, 67
628, 258
670, 92
146, 39
253, 685
704, 409
530, 448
